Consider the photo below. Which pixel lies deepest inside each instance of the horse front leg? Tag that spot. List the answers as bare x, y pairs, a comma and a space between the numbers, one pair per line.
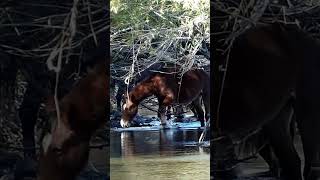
162, 115
164, 101
199, 111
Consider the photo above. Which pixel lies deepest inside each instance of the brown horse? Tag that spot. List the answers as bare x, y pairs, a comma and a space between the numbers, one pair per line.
268, 67
170, 89
82, 111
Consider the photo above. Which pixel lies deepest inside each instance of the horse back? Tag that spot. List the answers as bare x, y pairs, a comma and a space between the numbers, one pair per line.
187, 87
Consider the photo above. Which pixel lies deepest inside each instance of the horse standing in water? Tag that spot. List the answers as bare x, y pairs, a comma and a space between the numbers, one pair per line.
170, 89
65, 151
271, 70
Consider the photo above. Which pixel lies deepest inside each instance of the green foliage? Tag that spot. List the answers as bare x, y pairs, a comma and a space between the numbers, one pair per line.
143, 15
155, 13
157, 28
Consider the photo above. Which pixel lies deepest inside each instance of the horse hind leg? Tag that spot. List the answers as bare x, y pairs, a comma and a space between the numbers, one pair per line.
193, 110
268, 155
309, 127
206, 101
267, 152
278, 132
179, 113
308, 121
198, 108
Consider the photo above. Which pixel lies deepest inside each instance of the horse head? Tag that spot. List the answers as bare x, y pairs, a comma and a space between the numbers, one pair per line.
129, 110
74, 119
64, 152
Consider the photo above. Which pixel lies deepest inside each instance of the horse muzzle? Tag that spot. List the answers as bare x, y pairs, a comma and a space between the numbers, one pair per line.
124, 124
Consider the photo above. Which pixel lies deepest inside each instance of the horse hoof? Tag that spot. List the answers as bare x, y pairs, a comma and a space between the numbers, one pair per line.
164, 126
124, 124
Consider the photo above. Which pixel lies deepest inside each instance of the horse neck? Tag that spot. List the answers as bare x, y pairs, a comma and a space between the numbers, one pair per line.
141, 91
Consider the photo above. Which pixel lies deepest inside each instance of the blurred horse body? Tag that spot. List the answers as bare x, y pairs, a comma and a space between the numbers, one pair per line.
273, 69
82, 111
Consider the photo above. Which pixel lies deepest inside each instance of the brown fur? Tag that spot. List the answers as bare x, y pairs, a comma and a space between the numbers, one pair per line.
166, 87
271, 67
82, 111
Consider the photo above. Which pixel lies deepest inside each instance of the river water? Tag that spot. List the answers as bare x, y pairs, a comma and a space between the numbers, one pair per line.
154, 154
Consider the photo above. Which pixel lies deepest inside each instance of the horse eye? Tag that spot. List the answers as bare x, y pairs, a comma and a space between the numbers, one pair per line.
58, 151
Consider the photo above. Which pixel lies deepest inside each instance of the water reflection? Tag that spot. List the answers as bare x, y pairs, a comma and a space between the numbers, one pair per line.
161, 154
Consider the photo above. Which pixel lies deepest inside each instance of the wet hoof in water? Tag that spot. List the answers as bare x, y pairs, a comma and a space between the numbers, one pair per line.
124, 124
164, 126
179, 118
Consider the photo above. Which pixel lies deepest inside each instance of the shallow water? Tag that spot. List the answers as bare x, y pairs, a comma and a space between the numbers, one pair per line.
158, 154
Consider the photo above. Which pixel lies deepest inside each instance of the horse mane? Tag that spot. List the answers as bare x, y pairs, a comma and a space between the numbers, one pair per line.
161, 67
148, 72
145, 74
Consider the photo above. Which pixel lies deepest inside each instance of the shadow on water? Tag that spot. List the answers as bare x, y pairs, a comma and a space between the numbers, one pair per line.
160, 154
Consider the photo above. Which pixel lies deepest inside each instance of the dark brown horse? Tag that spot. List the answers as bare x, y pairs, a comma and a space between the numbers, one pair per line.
268, 67
82, 111
170, 89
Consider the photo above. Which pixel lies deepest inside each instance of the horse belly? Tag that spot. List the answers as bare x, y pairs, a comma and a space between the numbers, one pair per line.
240, 113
